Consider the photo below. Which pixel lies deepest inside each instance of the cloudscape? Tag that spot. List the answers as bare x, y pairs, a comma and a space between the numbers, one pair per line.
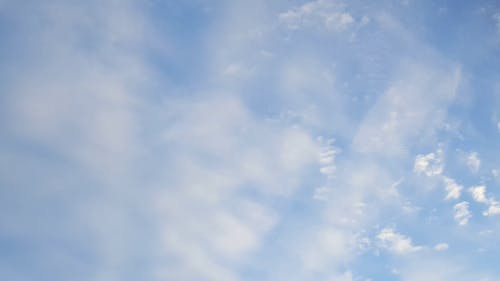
249, 140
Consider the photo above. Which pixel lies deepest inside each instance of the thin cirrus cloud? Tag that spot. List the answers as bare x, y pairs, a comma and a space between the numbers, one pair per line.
237, 140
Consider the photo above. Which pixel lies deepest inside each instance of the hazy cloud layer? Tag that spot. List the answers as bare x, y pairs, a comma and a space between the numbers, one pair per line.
249, 140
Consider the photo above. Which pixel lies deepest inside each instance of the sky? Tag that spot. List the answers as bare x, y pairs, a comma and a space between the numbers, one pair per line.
197, 140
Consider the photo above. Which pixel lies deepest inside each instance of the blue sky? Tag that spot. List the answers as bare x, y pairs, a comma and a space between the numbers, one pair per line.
249, 140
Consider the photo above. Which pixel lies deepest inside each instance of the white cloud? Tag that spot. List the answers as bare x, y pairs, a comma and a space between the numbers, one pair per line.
409, 109
493, 208
473, 162
254, 150
82, 107
83, 95
429, 164
212, 166
479, 193
221, 148
441, 247
203, 233
329, 247
328, 170
327, 155
452, 188
90, 106
234, 236
395, 242
462, 213
327, 158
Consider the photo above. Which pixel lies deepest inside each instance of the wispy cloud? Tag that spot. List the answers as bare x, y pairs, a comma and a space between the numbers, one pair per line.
441, 247
473, 162
330, 15
236, 140
462, 213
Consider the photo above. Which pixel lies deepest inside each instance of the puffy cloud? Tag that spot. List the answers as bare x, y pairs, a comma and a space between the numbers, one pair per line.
429, 164
479, 193
493, 208
395, 242
462, 213
452, 188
